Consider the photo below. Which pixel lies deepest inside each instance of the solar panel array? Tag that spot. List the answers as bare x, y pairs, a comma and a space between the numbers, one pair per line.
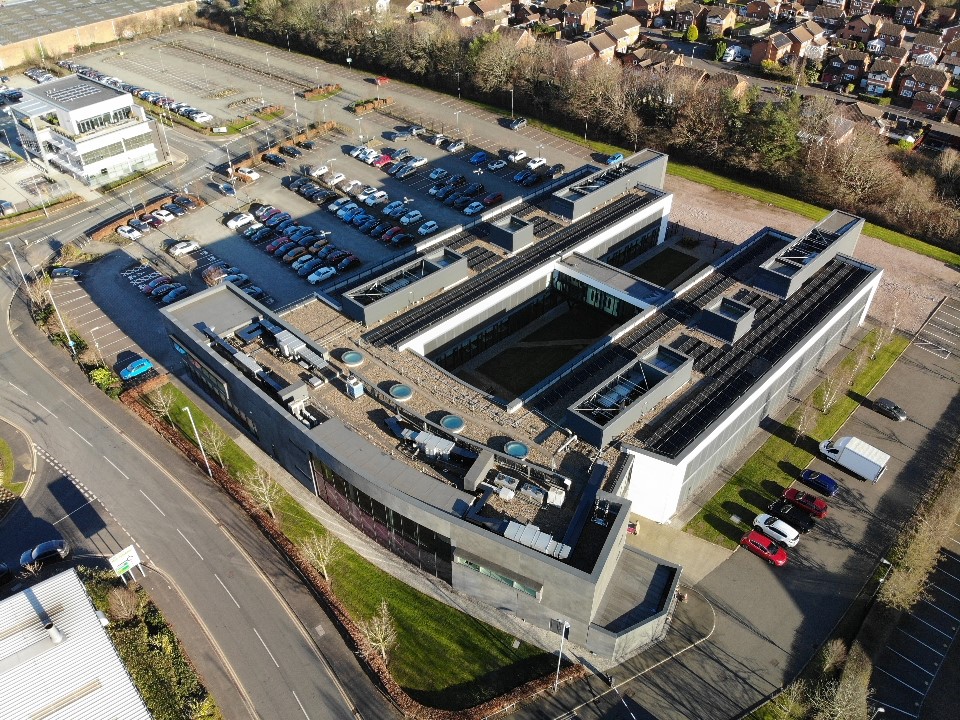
808, 247
73, 92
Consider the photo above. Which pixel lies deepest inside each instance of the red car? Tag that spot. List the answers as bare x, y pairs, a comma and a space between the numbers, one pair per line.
492, 199
381, 161
388, 235
805, 501
762, 546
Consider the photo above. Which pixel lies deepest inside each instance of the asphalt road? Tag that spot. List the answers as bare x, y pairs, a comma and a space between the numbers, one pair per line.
204, 549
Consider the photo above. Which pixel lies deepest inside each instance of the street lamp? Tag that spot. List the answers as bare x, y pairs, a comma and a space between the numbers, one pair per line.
316, 71
66, 332
17, 261
234, 26
457, 113
563, 636
349, 62
539, 150
266, 54
288, 42
458, 86
876, 712
160, 56
361, 130
199, 444
511, 103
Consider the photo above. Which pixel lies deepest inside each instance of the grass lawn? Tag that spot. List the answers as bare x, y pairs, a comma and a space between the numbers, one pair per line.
275, 115
443, 657
664, 267
7, 465
778, 461
323, 96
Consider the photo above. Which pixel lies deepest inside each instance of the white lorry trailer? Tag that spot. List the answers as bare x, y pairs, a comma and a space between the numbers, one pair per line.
856, 456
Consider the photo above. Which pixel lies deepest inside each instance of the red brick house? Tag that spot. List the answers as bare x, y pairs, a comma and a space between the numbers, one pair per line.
860, 7
644, 10
845, 66
830, 18
951, 58
579, 54
579, 17
861, 29
719, 21
604, 46
917, 79
927, 43
881, 76
775, 47
891, 34
927, 103
689, 14
647, 58
763, 9
908, 12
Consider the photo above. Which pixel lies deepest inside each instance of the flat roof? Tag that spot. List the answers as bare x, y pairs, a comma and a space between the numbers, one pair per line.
28, 19
67, 93
79, 677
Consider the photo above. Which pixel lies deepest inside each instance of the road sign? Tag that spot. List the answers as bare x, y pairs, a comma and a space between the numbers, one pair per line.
125, 560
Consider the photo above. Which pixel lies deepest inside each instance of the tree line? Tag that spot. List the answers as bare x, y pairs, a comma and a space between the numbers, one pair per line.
787, 143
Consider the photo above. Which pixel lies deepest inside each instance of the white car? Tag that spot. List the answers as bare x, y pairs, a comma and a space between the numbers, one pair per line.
370, 157
125, 231
497, 164
318, 171
202, 117
428, 227
164, 215
337, 204
416, 162
364, 194
392, 207
336, 179
182, 248
301, 261
411, 217
517, 156
456, 146
351, 186
474, 208
358, 151
321, 275
238, 221
248, 173
380, 196
537, 162
439, 174
776, 530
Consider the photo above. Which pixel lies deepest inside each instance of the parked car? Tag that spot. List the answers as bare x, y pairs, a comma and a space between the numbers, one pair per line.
381, 161
522, 175
537, 162
401, 239
461, 202
45, 553
817, 507
227, 189
125, 231
185, 202
518, 123
456, 146
439, 174
478, 158
474, 208
388, 235
347, 263
399, 154
182, 248
445, 192
365, 193
318, 171
274, 159
380, 196
776, 529
530, 180
492, 199
762, 546
140, 226
253, 291
290, 151
395, 205
264, 211
430, 226
175, 295
615, 159
306, 144
64, 272
337, 204
135, 368
555, 170
293, 254
164, 215
406, 172
473, 189
793, 516
309, 266
890, 409
238, 279
321, 274
335, 179
238, 221
352, 186
823, 484
497, 164
368, 223
348, 211
411, 217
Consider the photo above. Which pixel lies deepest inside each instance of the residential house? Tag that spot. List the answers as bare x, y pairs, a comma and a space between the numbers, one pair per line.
764, 9
927, 43
789, 11
669, 6
735, 84
829, 18
861, 29
648, 58
805, 37
688, 14
916, 79
836, 130
775, 47
842, 4
720, 21
625, 27
413, 8
950, 34
845, 67
908, 12
944, 17
881, 76
895, 54
891, 34
579, 54
860, 7
555, 8
604, 46
489, 9
464, 14
951, 58
522, 38
927, 103
579, 17
644, 10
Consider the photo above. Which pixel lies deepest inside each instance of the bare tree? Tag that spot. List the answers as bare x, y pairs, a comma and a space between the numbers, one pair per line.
322, 551
380, 630
805, 421
791, 703
840, 700
263, 489
214, 440
160, 402
830, 392
37, 290
31, 570
832, 656
124, 603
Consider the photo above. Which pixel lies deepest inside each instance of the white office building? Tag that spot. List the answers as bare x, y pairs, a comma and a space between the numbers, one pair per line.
86, 129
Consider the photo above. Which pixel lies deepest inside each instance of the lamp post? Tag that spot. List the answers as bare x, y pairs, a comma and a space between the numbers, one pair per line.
511, 103
160, 56
458, 86
457, 114
288, 42
316, 72
266, 54
17, 261
539, 150
361, 130
66, 332
878, 711
97, 345
563, 636
260, 85
199, 444
234, 26
349, 62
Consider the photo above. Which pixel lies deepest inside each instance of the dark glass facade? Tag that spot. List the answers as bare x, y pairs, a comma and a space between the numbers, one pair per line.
633, 246
418, 545
577, 290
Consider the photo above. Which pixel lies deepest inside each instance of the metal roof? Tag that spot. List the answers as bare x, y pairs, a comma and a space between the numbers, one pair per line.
36, 18
70, 93
78, 678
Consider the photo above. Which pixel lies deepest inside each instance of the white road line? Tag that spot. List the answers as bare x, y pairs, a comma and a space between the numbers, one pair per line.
81, 436
921, 693
933, 627
45, 409
154, 504
300, 704
190, 544
894, 707
919, 667
929, 647
267, 649
74, 510
15, 387
944, 591
227, 591
942, 610
949, 575
116, 468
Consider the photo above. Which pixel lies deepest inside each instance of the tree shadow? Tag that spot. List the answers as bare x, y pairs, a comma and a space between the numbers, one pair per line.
724, 526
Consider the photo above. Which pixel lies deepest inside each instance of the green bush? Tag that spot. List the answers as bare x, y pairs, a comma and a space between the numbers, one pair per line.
107, 380
79, 344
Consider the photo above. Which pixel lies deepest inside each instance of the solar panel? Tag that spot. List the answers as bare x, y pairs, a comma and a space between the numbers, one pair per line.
73, 92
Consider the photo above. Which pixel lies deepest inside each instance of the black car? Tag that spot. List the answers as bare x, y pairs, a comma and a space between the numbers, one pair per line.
274, 159
890, 409
461, 202
290, 151
297, 182
531, 180
46, 552
457, 180
555, 170
175, 209
139, 226
185, 202
306, 144
792, 516
473, 189
445, 192
454, 197
380, 229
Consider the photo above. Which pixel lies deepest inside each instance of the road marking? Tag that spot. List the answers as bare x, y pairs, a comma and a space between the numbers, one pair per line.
949, 575
16, 388
190, 544
228, 592
945, 592
909, 661
300, 704
116, 468
267, 649
45, 409
922, 693
894, 707
93, 498
934, 627
929, 647
81, 436
942, 610
154, 504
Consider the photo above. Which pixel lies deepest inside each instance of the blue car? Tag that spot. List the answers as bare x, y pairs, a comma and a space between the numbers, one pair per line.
137, 367
615, 158
478, 158
823, 484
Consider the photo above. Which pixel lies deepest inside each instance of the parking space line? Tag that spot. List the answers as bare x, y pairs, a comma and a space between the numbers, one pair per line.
941, 610
948, 594
896, 709
949, 575
932, 627
921, 693
929, 647
920, 667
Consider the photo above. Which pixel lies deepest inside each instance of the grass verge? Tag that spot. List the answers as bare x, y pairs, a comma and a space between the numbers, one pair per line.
164, 675
7, 465
443, 658
778, 461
